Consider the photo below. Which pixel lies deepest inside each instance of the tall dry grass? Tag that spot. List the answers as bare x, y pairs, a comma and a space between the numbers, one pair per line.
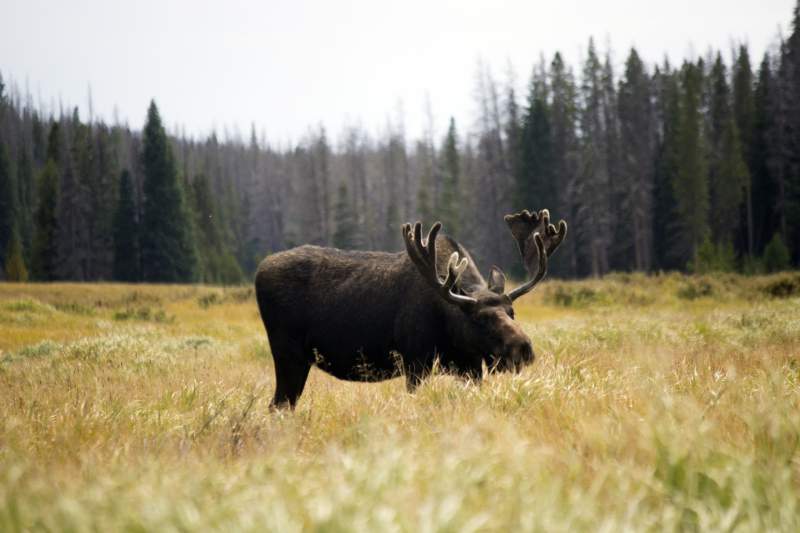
660, 403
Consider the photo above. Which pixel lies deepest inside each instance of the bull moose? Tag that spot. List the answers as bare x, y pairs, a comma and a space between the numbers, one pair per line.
371, 316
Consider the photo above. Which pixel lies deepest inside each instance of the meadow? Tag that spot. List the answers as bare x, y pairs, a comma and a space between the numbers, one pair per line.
655, 403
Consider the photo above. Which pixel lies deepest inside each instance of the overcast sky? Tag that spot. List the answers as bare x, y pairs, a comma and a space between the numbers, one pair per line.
286, 66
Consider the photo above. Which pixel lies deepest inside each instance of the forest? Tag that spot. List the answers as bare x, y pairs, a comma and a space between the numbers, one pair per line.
657, 167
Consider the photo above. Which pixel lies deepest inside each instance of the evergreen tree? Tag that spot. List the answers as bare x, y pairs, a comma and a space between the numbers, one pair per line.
776, 255
691, 181
15, 269
513, 133
167, 243
39, 139
45, 258
217, 263
535, 182
744, 106
666, 244
25, 183
126, 233
8, 186
563, 120
344, 236
636, 173
8, 199
744, 111
425, 190
620, 231
73, 209
103, 194
451, 176
728, 174
764, 153
593, 191
789, 79
45, 248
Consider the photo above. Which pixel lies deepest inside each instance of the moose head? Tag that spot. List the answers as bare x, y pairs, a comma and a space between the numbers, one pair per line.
487, 330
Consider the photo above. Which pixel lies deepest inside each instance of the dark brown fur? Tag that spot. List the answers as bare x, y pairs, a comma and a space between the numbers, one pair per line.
370, 316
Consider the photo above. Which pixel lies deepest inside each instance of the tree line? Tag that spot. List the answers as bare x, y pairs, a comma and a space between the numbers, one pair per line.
659, 167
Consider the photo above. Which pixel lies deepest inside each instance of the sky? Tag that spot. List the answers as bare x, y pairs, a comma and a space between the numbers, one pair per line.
288, 66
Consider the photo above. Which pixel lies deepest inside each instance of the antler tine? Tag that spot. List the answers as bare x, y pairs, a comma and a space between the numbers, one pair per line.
423, 255
528, 287
536, 239
555, 236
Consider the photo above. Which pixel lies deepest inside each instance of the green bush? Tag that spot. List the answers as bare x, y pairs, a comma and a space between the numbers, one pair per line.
712, 257
776, 255
698, 287
145, 314
572, 296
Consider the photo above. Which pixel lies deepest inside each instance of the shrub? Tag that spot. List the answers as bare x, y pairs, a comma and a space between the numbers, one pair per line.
697, 287
712, 257
782, 286
776, 255
144, 314
571, 296
207, 300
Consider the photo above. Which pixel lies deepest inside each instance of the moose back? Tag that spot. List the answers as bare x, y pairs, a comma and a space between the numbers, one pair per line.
370, 316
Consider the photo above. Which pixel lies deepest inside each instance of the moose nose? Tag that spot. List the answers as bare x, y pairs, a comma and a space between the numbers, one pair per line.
527, 353
522, 354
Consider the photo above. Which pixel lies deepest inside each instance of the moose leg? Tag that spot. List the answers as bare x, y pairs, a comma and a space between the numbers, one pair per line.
472, 373
416, 374
291, 372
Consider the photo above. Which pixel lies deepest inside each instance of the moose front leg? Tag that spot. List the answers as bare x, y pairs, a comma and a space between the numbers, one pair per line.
415, 373
472, 372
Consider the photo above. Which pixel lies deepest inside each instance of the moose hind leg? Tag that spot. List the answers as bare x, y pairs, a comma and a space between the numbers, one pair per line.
291, 372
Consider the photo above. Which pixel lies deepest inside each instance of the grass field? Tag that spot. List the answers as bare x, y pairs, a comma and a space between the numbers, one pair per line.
663, 403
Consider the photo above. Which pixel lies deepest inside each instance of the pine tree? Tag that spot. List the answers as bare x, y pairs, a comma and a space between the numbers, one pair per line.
666, 244
744, 111
728, 176
9, 207
536, 186
451, 177
636, 173
789, 87
690, 184
344, 236
45, 248
167, 244
15, 269
25, 184
513, 133
563, 120
8, 198
126, 233
217, 264
425, 189
104, 193
744, 107
74, 211
764, 153
45, 257
776, 255
593, 191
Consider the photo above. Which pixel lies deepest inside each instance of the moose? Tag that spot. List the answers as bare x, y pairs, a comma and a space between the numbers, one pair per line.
371, 316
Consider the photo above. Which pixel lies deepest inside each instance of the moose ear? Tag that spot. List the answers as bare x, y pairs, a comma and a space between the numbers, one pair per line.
497, 280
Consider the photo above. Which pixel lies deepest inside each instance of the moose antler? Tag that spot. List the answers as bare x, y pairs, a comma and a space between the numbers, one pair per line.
537, 239
423, 255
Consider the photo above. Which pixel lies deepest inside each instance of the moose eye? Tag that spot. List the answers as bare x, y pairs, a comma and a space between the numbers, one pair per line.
511, 313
